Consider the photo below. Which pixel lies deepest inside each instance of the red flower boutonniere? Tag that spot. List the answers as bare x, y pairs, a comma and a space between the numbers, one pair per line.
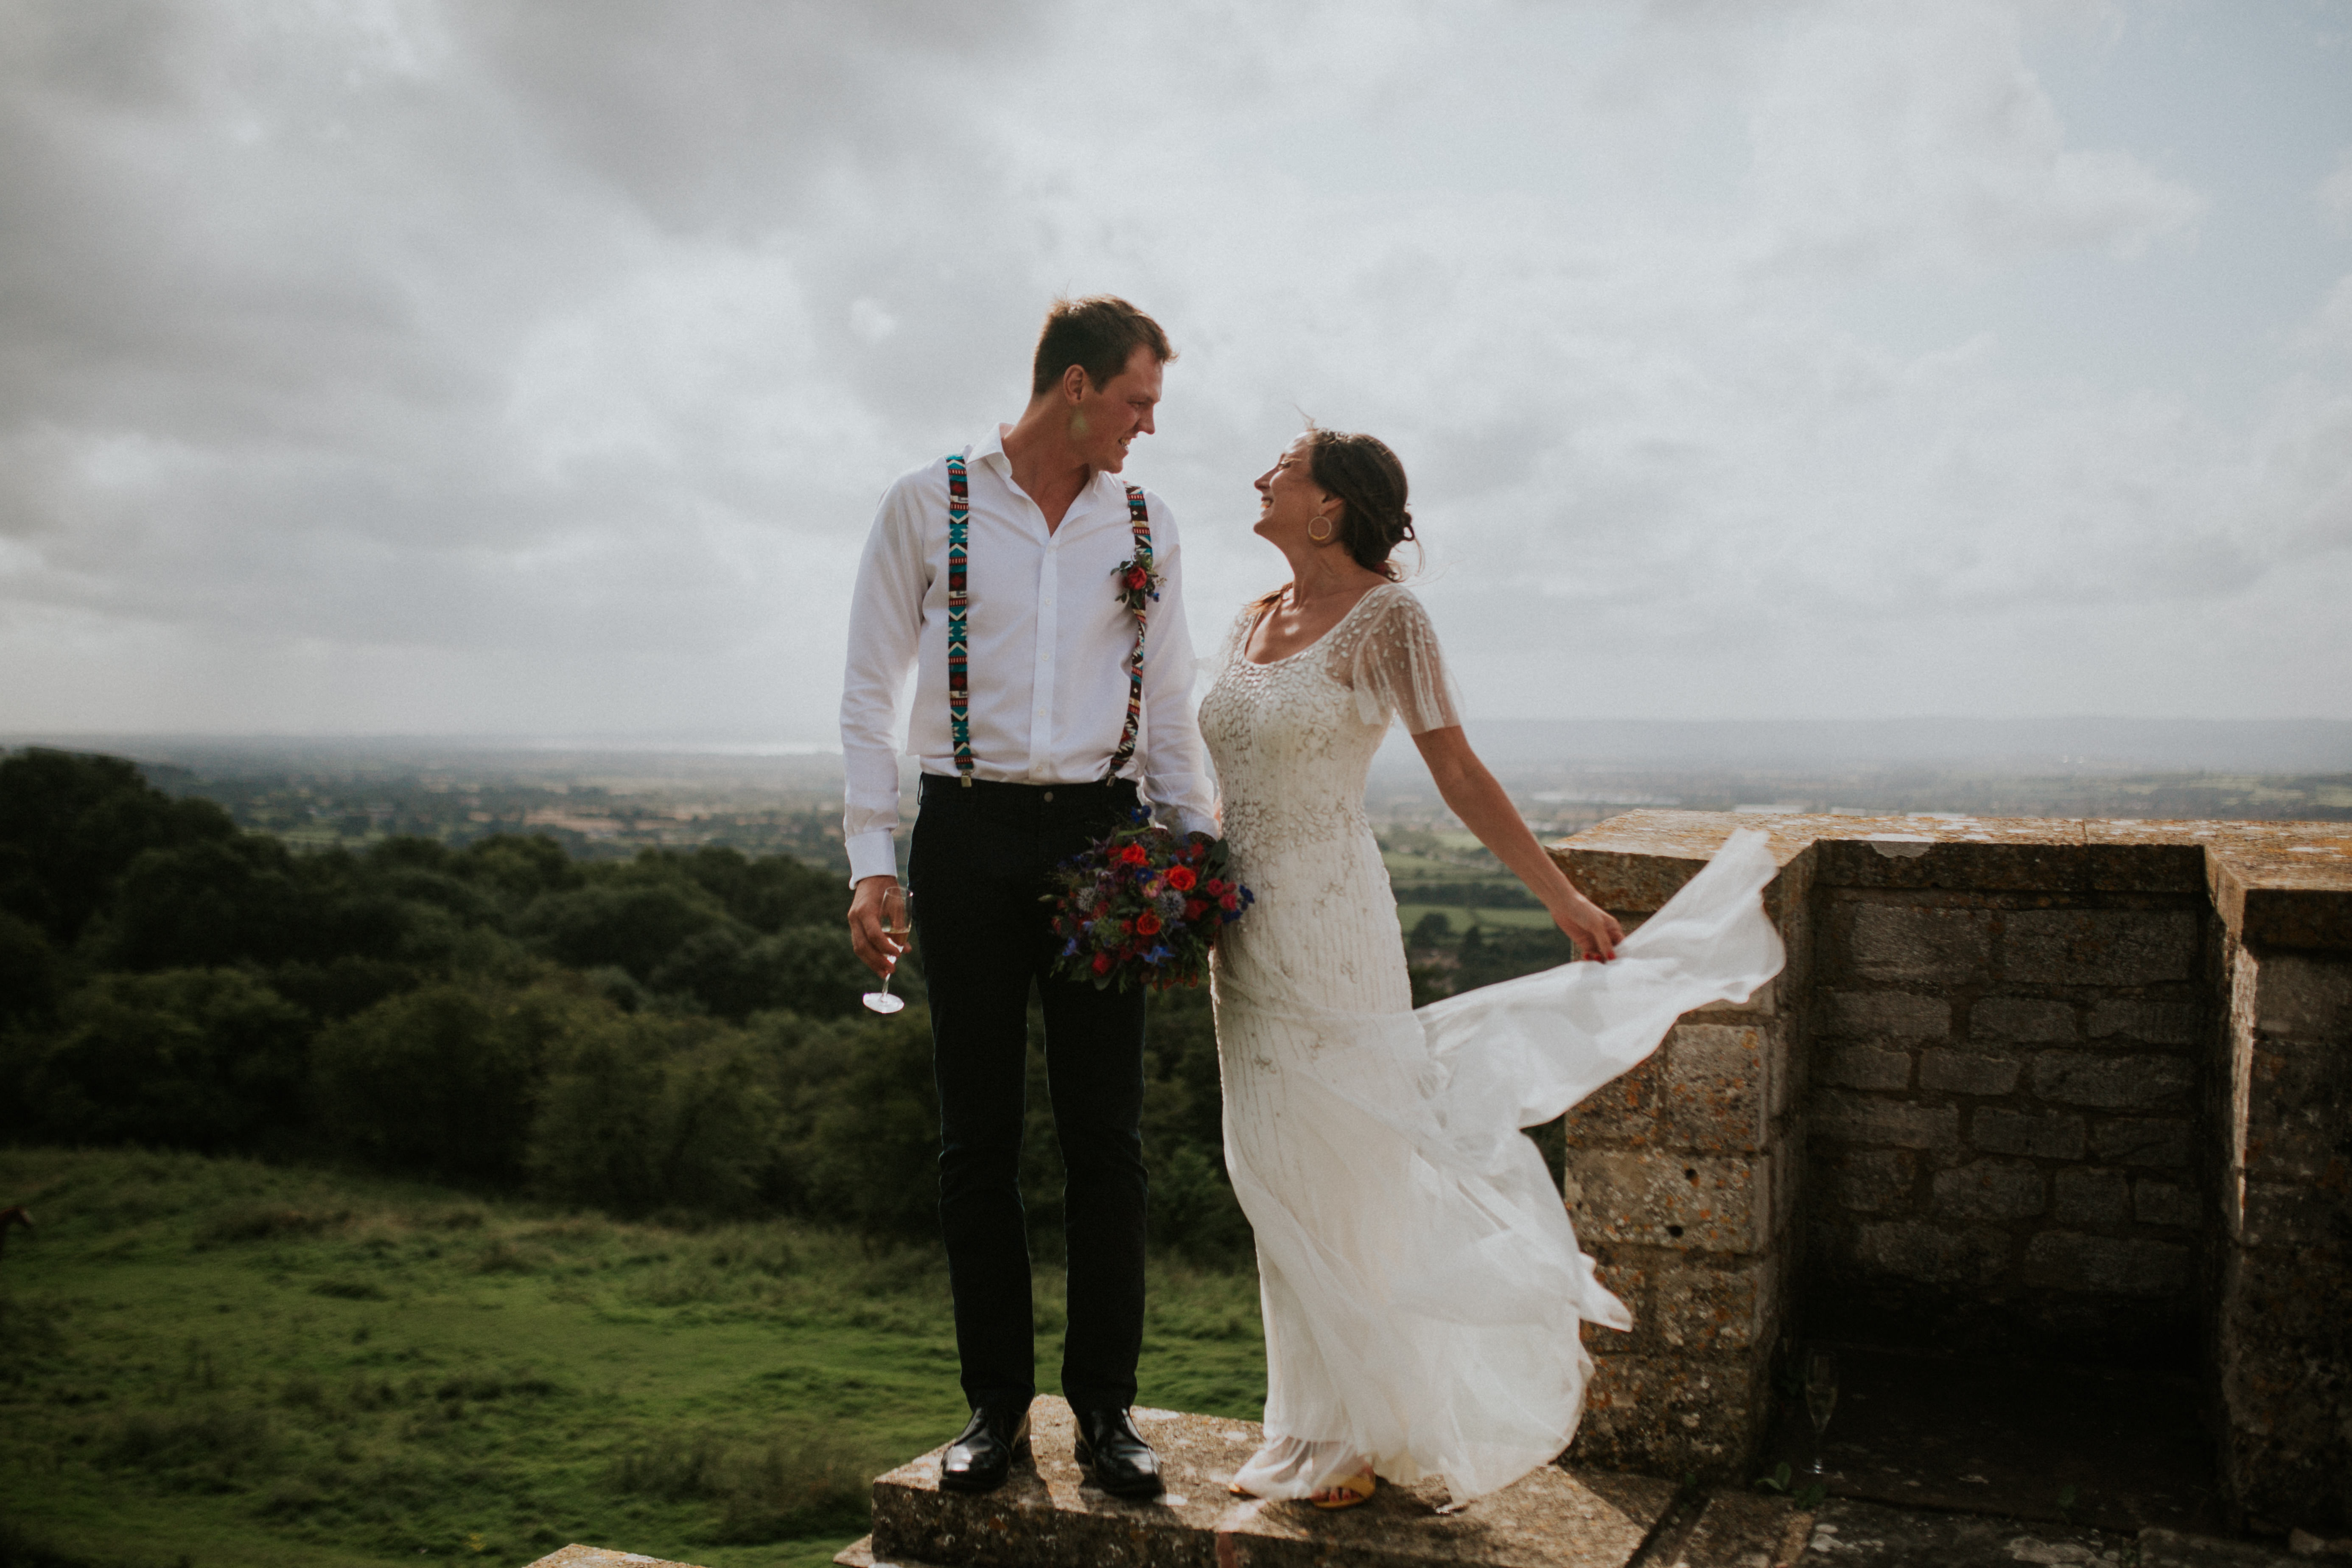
1138, 583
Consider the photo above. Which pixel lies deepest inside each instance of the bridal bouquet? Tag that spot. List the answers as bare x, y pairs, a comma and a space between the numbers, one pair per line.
1144, 905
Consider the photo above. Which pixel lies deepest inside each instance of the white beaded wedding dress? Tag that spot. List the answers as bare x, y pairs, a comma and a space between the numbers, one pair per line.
1421, 1282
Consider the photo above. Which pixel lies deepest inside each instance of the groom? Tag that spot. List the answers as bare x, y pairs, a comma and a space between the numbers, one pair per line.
995, 574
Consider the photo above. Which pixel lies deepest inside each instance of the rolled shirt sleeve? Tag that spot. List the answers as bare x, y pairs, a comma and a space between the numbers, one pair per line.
885, 620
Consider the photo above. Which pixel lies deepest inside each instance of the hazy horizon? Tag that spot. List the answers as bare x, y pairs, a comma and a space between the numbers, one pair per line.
2085, 741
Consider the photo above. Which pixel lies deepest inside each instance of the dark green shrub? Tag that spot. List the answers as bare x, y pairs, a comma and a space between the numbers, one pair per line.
809, 970
631, 926
817, 972
649, 1112
766, 894
195, 1058
203, 905
859, 1120
516, 868
70, 825
445, 1079
30, 973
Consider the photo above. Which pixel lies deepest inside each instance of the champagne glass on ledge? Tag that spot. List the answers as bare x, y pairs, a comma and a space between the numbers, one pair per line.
899, 919
1820, 1399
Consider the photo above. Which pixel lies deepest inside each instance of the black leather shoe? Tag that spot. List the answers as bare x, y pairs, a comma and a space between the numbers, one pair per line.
980, 1459
1122, 1462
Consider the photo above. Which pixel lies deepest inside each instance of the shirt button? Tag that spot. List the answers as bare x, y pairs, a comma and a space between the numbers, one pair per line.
1049, 797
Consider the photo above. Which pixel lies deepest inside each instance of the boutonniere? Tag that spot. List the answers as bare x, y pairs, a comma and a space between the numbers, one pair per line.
1137, 583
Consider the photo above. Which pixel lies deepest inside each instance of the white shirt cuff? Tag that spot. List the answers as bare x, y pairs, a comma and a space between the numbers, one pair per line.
1193, 822
874, 854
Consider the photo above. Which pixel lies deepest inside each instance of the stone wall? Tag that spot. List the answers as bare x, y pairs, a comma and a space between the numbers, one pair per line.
1681, 1183
2078, 1090
2281, 1356
2006, 1089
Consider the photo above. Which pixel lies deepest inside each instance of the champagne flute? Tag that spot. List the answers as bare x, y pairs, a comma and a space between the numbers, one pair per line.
899, 919
1820, 1398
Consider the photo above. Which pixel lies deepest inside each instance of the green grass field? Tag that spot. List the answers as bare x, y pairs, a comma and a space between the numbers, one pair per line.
223, 1364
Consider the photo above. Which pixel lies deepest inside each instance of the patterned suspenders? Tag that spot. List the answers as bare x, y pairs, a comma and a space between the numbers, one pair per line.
959, 632
958, 602
1141, 520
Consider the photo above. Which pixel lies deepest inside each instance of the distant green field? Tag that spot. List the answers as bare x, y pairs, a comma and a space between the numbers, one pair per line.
1452, 874
220, 1365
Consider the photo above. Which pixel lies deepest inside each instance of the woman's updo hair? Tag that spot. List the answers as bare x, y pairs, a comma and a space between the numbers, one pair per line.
1361, 471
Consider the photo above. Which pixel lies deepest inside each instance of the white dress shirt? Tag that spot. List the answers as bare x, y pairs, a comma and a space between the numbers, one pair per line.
1049, 640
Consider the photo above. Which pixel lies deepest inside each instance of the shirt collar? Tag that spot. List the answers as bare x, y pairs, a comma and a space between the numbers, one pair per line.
990, 449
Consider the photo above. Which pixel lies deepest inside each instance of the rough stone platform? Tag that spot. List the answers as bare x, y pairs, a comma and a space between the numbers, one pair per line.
1049, 1516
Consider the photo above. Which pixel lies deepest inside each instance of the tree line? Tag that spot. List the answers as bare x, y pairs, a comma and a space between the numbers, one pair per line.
675, 1033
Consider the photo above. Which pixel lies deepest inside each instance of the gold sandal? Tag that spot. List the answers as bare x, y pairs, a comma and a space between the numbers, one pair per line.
1358, 1490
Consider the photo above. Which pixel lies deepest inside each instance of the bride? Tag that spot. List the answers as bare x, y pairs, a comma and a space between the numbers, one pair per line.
1422, 1286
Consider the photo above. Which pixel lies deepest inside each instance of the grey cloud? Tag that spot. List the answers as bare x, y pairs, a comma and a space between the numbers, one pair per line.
523, 363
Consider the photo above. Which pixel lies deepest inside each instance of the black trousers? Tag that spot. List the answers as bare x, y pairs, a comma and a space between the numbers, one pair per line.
979, 873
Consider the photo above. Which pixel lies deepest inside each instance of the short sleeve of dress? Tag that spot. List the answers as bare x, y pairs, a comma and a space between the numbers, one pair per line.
1394, 668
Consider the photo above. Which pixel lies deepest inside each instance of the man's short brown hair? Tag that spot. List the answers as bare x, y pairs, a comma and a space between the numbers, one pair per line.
1098, 334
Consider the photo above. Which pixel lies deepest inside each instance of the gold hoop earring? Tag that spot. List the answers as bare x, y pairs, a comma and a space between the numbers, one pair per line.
1324, 537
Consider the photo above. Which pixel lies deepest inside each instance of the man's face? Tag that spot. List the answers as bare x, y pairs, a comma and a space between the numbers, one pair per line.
1105, 418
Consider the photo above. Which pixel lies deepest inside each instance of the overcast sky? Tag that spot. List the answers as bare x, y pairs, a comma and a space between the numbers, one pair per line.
533, 367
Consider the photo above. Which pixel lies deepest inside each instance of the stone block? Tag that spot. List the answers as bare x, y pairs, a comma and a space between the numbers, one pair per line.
2297, 1108
2161, 1548
1953, 863
2100, 947
1714, 1089
578, 1555
1919, 942
2146, 1022
1780, 1067
2292, 1214
2064, 1260
2286, 1367
2113, 1082
1861, 1013
1969, 1257
1842, 1117
1626, 1110
1864, 1067
1967, 1072
2093, 1196
1670, 1413
1701, 1308
2034, 1020
2165, 1203
2304, 996
2277, 1304
2141, 1140
1742, 1531
1990, 1190
1867, 1181
1650, 1197
2035, 1135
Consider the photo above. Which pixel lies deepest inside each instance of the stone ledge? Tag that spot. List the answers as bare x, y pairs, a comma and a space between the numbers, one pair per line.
2278, 884
1049, 1516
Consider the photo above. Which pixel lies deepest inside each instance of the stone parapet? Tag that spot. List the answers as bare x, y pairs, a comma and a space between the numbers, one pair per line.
2058, 1087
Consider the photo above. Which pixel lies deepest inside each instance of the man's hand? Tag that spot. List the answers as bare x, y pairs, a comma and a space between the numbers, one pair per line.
874, 946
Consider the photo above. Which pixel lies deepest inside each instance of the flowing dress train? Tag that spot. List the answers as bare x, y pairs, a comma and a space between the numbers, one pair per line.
1420, 1282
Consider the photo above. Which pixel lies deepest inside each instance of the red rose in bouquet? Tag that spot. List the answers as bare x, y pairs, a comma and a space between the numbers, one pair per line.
1144, 906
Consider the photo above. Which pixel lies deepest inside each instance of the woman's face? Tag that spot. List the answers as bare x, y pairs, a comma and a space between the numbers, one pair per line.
1290, 496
